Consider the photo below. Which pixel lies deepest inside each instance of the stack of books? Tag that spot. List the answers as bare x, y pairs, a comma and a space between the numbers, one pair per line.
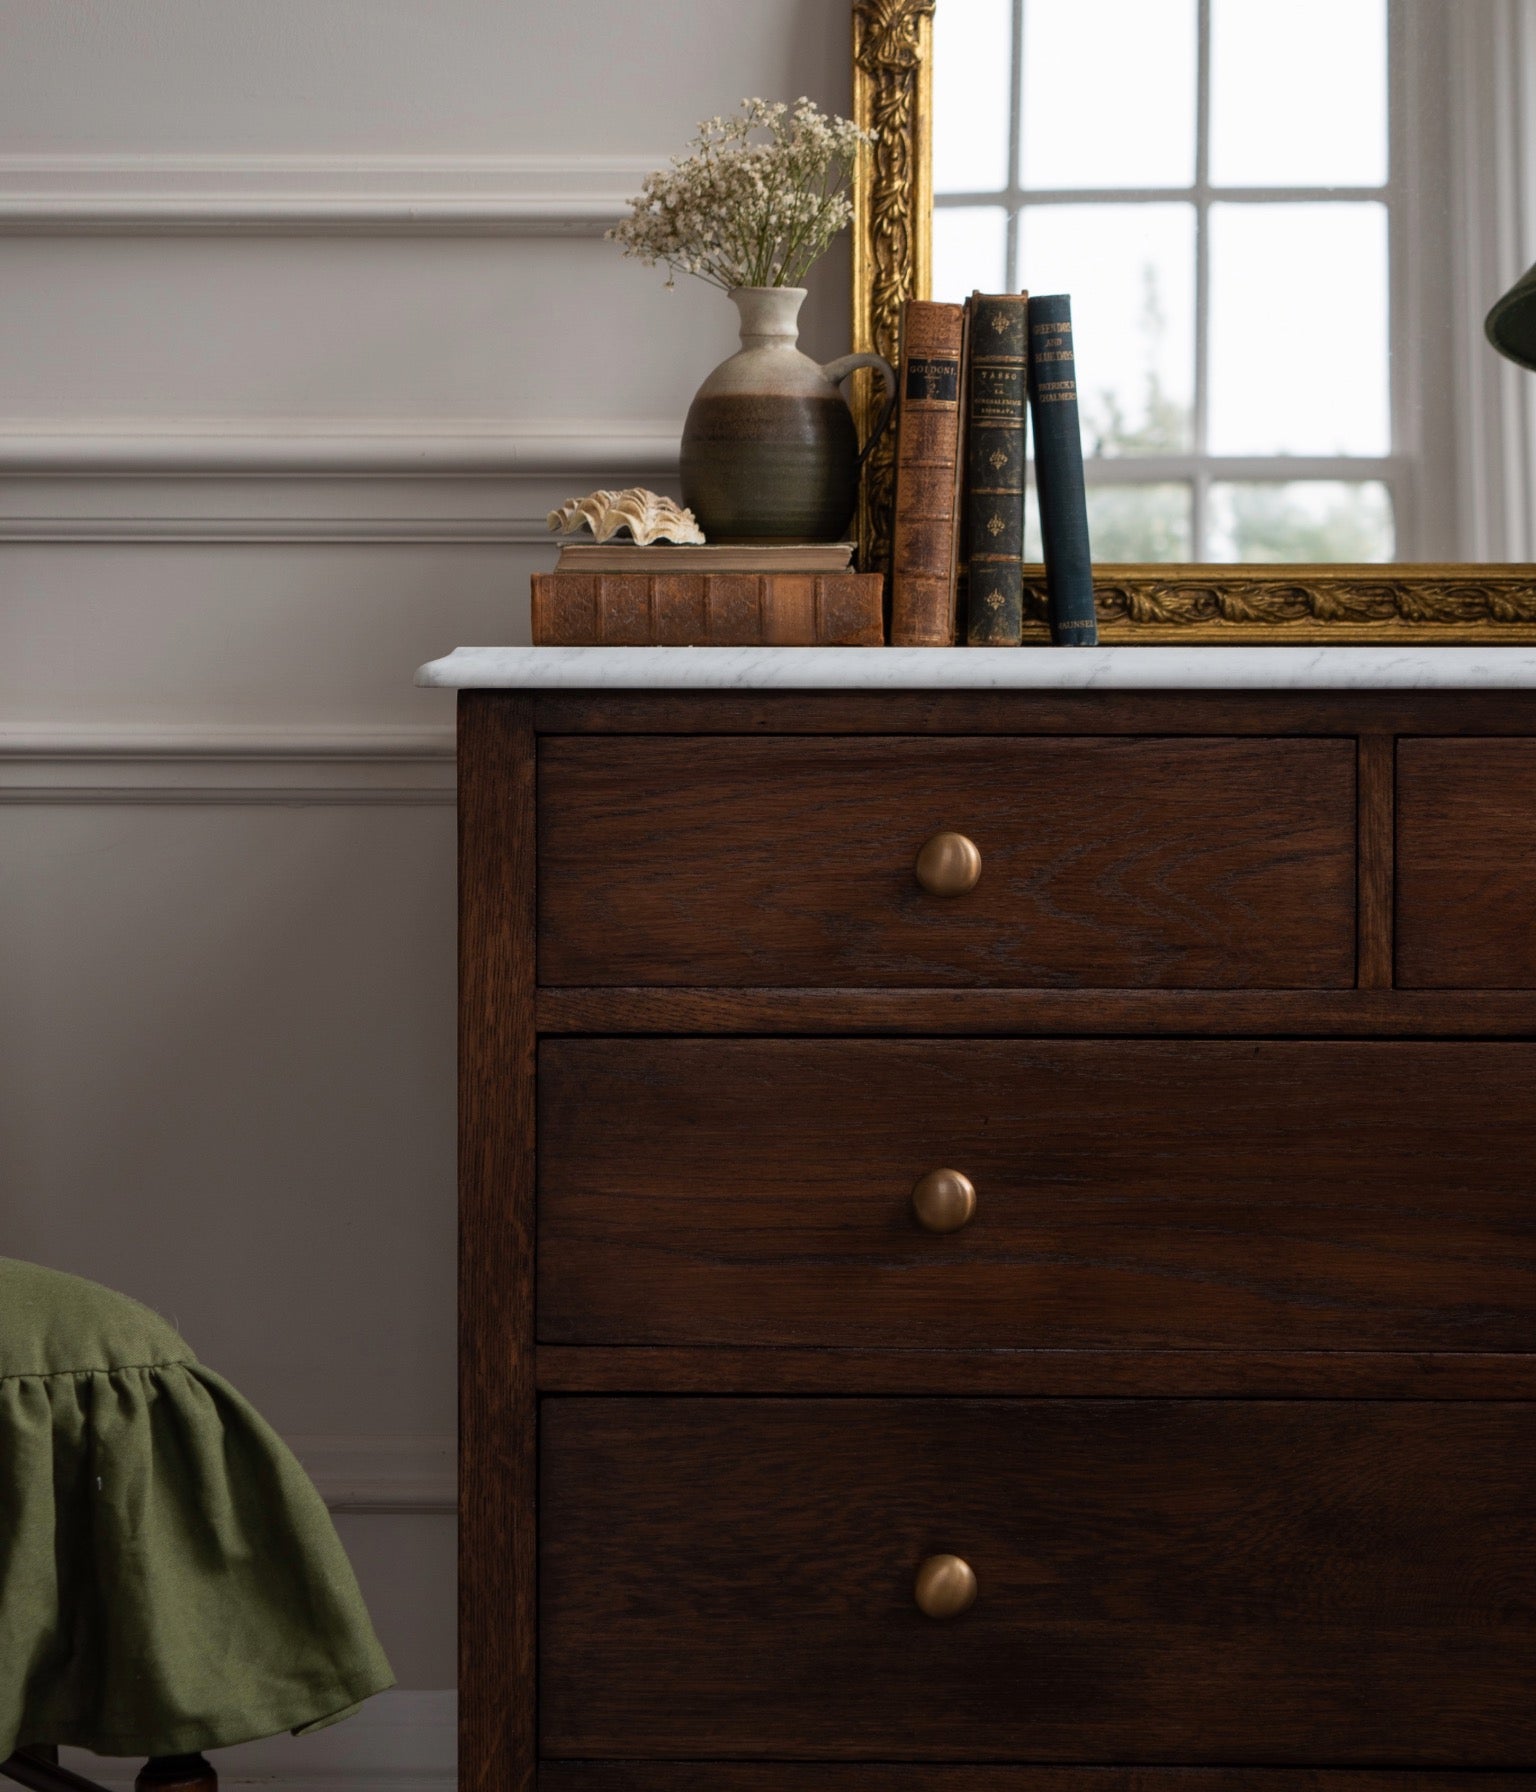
615, 594
957, 548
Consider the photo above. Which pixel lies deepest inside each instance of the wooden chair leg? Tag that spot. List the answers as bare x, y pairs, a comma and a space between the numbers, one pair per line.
177, 1773
39, 1770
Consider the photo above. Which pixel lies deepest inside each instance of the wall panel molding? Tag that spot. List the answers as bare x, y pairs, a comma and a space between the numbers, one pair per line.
220, 766
255, 528
410, 1475
353, 447
300, 480
529, 195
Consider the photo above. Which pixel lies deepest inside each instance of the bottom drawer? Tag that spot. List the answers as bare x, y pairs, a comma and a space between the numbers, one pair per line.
1279, 1582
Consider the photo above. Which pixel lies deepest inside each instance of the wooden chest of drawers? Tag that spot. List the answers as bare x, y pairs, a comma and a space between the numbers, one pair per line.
1219, 1367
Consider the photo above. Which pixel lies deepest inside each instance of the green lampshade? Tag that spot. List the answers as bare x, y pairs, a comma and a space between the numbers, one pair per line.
1511, 324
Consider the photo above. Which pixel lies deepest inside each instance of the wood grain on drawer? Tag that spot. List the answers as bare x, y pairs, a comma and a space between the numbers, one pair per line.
1193, 863
1161, 1194
1466, 864
891, 1776
1159, 1580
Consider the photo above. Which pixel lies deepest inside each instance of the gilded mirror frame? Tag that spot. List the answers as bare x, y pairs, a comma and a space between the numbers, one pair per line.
892, 262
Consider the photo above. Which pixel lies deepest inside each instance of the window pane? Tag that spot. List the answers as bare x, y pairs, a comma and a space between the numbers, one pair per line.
1299, 93
1109, 93
1299, 329
1306, 519
1139, 522
970, 250
972, 52
1125, 522
1131, 272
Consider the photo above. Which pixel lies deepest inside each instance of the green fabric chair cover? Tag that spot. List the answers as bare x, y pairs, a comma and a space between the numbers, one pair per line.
170, 1581
1511, 324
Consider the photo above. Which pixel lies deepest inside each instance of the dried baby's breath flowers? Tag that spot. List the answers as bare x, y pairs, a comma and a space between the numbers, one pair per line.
739, 212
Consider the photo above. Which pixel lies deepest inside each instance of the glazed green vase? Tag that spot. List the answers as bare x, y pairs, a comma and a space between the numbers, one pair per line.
770, 452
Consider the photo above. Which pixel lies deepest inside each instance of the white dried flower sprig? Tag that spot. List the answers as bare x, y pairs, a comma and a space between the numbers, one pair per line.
742, 213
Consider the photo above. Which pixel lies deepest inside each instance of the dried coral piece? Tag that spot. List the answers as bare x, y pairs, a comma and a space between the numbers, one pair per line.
646, 515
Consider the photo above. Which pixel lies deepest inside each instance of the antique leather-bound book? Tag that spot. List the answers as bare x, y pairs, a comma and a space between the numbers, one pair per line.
572, 609
994, 455
925, 527
1059, 472
666, 556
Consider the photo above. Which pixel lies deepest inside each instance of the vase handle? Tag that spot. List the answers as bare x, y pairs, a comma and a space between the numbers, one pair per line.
837, 371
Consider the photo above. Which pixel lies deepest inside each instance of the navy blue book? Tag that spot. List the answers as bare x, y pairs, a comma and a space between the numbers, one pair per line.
1059, 472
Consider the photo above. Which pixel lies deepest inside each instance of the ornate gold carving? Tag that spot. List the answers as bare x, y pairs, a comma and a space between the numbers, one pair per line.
893, 199
1303, 604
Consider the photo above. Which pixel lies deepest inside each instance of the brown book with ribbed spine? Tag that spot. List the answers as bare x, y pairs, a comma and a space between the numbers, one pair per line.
719, 609
925, 527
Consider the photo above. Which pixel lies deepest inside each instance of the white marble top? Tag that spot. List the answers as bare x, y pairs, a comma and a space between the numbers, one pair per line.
983, 668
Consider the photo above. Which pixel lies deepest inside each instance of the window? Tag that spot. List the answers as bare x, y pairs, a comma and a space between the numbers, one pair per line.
1212, 181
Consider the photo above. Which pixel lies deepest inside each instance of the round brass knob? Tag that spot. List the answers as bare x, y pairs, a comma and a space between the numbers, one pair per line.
943, 1200
949, 865
945, 1586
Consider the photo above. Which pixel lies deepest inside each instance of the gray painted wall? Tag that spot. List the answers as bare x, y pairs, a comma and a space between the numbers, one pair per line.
226, 839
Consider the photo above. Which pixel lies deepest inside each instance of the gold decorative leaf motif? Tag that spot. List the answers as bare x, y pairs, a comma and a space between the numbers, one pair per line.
891, 83
1305, 604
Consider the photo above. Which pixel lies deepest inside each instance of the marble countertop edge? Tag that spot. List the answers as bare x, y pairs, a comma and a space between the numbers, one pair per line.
1171, 668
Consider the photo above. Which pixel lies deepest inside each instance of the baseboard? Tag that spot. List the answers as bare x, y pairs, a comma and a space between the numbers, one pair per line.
398, 1742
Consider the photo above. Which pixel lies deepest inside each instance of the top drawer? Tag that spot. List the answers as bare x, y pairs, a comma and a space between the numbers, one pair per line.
1152, 862
1466, 864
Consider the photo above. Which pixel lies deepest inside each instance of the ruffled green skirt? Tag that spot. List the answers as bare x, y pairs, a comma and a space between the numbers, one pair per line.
169, 1579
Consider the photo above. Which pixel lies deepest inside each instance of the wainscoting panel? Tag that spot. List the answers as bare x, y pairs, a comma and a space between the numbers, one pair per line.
121, 327
308, 324
228, 1057
302, 637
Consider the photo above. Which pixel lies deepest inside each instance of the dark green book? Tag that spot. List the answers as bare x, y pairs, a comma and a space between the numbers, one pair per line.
995, 469
1059, 472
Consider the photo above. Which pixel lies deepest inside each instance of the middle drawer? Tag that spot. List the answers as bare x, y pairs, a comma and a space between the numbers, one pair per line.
1231, 1194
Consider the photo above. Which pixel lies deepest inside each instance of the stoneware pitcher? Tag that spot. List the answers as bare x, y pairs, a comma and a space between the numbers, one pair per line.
770, 452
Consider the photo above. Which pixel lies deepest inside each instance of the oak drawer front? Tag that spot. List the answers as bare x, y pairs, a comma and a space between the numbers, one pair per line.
1466, 864
1144, 1194
1198, 863
1183, 1581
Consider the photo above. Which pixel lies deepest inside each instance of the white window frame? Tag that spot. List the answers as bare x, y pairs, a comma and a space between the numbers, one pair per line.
1398, 470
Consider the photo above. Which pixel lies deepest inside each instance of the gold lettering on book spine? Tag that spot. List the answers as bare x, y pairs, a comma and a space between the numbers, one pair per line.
893, 233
